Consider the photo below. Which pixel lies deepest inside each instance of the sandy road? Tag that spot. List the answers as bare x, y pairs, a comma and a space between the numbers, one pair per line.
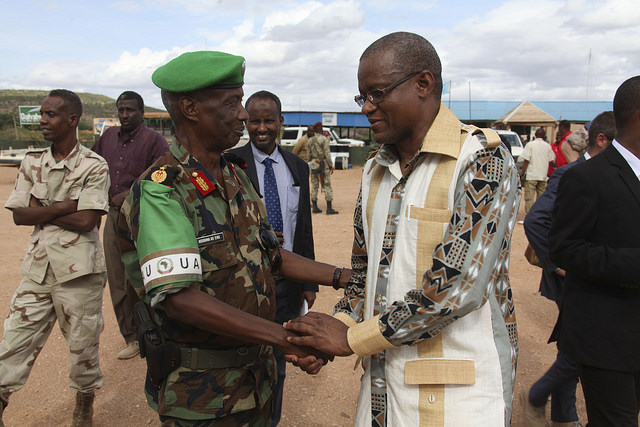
327, 399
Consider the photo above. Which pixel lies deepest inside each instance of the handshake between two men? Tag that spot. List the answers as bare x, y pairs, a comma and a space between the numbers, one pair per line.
326, 336
314, 339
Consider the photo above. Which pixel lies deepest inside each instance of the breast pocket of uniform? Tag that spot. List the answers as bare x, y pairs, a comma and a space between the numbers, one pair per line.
220, 266
68, 238
216, 252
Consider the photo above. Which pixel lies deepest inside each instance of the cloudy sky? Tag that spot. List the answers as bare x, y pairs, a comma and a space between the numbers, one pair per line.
307, 51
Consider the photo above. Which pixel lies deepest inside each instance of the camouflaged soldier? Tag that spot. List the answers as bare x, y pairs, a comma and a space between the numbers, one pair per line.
321, 169
204, 256
62, 192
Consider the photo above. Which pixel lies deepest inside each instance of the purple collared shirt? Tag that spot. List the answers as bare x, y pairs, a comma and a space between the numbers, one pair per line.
128, 158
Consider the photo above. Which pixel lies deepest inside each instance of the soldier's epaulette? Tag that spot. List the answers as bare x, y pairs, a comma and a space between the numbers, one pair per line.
163, 175
234, 158
35, 150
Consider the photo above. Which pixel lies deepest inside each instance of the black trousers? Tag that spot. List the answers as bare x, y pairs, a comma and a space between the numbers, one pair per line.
612, 397
560, 382
283, 314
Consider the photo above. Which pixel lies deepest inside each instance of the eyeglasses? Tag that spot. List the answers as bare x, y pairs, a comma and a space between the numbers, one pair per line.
376, 96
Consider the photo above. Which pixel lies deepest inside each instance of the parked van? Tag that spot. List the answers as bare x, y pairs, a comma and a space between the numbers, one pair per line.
339, 147
513, 142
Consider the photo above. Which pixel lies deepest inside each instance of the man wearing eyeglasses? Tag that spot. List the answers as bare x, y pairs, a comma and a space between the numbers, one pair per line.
429, 305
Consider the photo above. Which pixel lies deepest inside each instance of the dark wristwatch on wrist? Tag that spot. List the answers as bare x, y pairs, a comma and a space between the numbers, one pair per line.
337, 274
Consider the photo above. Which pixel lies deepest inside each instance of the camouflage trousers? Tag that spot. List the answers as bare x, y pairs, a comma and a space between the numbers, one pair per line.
324, 180
35, 307
257, 417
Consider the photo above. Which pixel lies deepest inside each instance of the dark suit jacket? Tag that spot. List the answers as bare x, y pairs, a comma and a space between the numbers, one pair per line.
536, 227
303, 235
595, 237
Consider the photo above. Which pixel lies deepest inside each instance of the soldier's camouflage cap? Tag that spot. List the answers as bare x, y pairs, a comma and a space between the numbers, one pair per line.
198, 70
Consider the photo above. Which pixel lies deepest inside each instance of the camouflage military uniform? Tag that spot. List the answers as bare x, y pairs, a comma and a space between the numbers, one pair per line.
320, 160
301, 149
64, 271
187, 232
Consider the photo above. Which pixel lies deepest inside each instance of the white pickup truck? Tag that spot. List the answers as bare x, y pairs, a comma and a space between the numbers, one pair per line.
13, 156
339, 147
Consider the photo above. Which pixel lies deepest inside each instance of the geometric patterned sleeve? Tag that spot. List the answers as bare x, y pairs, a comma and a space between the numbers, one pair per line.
350, 309
470, 265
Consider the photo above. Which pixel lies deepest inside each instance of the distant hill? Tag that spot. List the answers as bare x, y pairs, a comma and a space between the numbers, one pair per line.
93, 105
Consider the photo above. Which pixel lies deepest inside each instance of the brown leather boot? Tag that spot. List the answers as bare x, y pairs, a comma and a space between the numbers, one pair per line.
83, 412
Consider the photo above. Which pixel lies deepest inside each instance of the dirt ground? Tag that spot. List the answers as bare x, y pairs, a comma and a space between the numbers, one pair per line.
327, 399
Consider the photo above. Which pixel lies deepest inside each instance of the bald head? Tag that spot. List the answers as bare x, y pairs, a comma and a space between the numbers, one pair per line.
410, 53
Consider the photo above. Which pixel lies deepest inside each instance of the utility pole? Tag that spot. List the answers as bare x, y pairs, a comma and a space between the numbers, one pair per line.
588, 74
469, 101
15, 127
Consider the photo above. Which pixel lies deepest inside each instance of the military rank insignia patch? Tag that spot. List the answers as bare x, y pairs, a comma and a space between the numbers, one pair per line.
162, 175
202, 183
159, 176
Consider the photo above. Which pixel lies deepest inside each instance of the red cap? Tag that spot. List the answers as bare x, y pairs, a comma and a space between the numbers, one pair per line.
317, 124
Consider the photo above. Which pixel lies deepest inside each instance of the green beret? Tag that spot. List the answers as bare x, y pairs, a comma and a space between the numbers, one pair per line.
198, 70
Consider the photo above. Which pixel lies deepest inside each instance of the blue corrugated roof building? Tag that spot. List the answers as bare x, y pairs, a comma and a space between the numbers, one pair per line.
481, 111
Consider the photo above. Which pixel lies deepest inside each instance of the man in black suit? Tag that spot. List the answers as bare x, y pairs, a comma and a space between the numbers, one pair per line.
292, 221
595, 238
561, 379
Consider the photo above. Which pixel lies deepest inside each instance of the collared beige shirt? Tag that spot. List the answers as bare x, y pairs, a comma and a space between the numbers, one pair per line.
82, 176
538, 153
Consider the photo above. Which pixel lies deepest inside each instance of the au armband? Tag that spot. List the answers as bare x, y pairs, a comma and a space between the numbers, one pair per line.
166, 242
183, 265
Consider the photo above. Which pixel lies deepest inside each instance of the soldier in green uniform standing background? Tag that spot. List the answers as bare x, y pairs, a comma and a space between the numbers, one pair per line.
321, 169
205, 255
62, 191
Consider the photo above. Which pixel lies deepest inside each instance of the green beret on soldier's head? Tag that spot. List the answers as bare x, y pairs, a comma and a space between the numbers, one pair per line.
198, 70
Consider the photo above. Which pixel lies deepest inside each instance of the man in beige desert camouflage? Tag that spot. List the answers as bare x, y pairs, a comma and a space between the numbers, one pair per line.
62, 191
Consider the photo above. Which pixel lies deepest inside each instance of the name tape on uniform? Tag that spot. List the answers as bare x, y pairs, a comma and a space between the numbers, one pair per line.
210, 238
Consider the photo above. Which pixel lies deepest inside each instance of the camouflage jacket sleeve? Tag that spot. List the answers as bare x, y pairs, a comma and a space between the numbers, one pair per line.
165, 256
21, 194
94, 194
326, 151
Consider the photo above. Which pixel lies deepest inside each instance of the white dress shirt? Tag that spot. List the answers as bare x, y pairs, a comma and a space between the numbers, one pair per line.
288, 192
631, 158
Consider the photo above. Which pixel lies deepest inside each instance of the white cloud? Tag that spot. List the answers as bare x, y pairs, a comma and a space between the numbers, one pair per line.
511, 54
313, 21
307, 52
205, 6
127, 5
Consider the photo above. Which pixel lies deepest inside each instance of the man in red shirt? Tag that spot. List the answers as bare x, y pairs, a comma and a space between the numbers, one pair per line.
564, 130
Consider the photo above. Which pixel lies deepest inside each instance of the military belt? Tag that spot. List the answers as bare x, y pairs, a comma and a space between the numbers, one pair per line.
198, 358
